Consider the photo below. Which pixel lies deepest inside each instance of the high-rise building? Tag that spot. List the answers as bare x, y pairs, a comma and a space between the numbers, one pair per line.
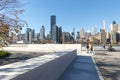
33, 34
87, 34
102, 36
42, 33
114, 27
82, 33
94, 30
48, 36
73, 34
108, 37
59, 37
78, 35
29, 35
119, 29
66, 37
55, 32
118, 37
104, 24
52, 23
38, 36
113, 37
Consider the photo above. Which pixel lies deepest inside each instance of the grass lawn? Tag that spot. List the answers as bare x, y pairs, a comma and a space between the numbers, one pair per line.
4, 54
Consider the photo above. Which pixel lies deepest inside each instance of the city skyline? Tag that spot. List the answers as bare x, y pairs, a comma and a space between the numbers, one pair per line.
71, 14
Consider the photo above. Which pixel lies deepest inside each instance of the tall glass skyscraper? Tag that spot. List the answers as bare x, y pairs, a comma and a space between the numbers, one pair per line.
28, 35
53, 20
56, 32
52, 23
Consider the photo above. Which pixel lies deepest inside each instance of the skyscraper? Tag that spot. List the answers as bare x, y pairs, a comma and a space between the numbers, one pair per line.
94, 30
33, 34
66, 37
54, 34
42, 33
82, 33
113, 32
52, 23
104, 24
28, 35
102, 36
59, 38
73, 34
78, 35
114, 27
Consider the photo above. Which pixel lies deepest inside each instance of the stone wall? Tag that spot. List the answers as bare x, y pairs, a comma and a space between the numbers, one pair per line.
43, 47
49, 70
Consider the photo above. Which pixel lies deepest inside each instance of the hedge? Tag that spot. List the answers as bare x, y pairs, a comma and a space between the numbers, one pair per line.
4, 54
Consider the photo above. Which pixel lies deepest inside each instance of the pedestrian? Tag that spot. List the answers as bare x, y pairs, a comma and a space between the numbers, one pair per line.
6, 43
87, 47
110, 48
91, 48
104, 46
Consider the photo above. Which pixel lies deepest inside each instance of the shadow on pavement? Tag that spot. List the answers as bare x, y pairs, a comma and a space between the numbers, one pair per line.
82, 68
110, 70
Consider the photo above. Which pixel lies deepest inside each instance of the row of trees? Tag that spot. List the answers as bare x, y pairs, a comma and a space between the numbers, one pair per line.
10, 22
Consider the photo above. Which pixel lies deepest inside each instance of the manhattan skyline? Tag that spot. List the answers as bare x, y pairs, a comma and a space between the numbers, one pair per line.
71, 14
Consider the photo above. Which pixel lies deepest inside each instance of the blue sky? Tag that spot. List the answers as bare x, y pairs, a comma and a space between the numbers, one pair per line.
71, 13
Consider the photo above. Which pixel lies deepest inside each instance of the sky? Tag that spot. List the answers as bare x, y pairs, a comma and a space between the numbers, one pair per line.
71, 14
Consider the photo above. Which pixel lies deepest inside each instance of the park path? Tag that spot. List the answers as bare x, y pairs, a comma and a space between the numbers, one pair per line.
82, 68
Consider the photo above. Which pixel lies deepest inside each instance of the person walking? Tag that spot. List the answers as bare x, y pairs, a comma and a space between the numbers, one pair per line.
87, 47
104, 46
91, 48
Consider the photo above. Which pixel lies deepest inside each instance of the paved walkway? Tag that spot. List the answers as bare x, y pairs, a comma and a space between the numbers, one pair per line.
82, 68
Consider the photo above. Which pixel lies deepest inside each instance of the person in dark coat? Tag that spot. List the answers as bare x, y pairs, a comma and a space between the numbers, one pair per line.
87, 47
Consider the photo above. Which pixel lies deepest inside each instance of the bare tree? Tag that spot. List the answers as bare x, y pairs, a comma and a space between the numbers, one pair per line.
9, 15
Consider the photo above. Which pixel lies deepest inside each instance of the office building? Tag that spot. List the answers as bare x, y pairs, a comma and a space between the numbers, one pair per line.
82, 33
104, 25
66, 37
59, 37
114, 33
53, 24
113, 37
33, 34
29, 35
42, 33
56, 32
102, 36
114, 27
78, 35
94, 30
108, 37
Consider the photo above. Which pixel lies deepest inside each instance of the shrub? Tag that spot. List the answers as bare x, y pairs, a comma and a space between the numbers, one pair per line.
4, 54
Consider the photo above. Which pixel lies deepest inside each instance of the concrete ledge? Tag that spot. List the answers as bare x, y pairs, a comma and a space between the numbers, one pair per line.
43, 47
47, 67
49, 71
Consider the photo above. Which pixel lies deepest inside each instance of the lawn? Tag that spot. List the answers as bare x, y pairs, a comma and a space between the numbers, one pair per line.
4, 54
